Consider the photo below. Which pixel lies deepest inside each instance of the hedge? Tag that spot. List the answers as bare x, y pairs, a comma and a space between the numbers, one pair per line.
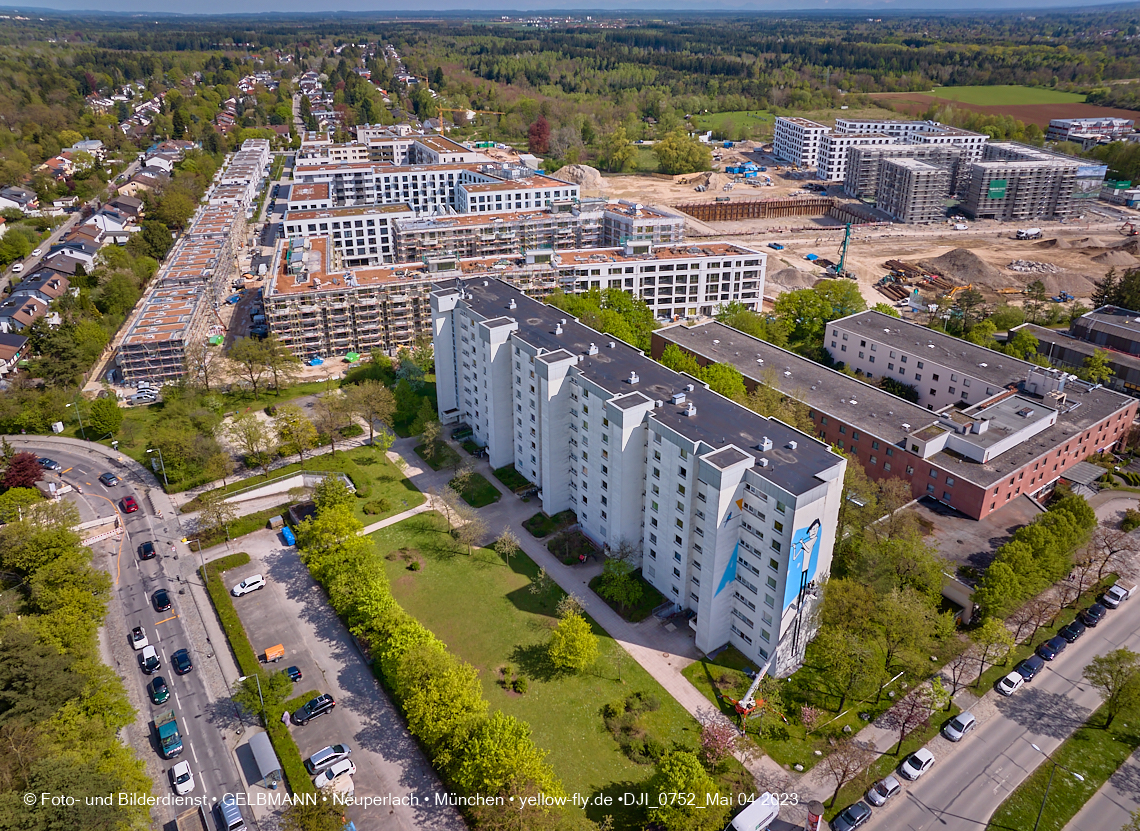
287, 753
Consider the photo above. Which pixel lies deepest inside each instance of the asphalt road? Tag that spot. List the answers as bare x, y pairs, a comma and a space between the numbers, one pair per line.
962, 792
199, 713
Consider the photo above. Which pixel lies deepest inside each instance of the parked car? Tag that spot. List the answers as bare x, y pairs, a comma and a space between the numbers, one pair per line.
181, 661
158, 690
147, 551
1030, 667
1071, 631
917, 763
314, 708
883, 790
138, 638
1011, 683
326, 757
294, 674
17, 268
36, 252
161, 600
129, 505
109, 479
956, 728
1093, 615
851, 817
148, 660
50, 464
1052, 647
1115, 595
249, 584
182, 778
345, 767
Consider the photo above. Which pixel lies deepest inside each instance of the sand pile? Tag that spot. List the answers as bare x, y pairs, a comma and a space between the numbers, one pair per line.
1132, 245
963, 266
583, 175
1052, 243
1091, 242
1116, 257
789, 279
1078, 285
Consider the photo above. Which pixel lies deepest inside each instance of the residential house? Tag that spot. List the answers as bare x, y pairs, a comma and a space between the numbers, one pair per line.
17, 313
21, 199
128, 206
13, 347
45, 284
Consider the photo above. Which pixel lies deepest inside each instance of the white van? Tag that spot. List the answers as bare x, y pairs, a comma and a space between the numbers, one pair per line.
758, 815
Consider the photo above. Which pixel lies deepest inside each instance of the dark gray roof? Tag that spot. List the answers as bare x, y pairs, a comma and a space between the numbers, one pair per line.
1061, 338
718, 422
1112, 320
881, 414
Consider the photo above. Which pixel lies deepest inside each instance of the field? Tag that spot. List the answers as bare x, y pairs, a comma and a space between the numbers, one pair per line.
1006, 95
735, 125
511, 626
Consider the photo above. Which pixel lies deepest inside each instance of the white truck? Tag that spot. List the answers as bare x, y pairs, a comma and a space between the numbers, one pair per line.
1029, 233
1115, 595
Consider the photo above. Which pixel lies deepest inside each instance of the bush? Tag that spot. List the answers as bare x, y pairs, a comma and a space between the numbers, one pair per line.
271, 410
414, 565
520, 684
351, 431
377, 506
1131, 520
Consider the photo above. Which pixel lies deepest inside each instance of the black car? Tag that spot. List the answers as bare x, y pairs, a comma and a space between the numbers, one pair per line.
1052, 648
181, 661
1071, 631
50, 464
146, 551
293, 673
161, 600
1093, 615
1029, 668
316, 707
109, 479
851, 817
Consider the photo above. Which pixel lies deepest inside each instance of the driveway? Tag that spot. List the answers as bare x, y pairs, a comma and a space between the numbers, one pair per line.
292, 610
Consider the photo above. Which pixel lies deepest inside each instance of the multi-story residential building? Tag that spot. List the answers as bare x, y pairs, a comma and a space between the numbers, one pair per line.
797, 140
912, 190
733, 514
493, 195
1109, 329
315, 196
360, 236
633, 222
1076, 129
865, 166
987, 427
833, 149
1016, 182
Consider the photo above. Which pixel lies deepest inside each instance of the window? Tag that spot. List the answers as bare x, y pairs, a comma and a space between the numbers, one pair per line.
778, 526
776, 546
771, 582
933, 473
774, 564
949, 481
909, 470
920, 364
930, 488
681, 490
780, 507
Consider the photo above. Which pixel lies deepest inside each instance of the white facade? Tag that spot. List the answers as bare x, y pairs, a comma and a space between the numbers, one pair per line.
734, 514
359, 236
833, 152
495, 196
797, 140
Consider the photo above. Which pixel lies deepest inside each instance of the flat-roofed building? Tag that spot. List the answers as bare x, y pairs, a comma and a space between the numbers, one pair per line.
359, 236
833, 149
797, 140
1015, 182
1107, 129
732, 514
913, 191
1111, 330
497, 195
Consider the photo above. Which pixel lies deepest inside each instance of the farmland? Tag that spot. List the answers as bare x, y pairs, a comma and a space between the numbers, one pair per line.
1006, 95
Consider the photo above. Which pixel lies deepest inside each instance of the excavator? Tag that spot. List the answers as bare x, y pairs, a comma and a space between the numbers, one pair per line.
1129, 229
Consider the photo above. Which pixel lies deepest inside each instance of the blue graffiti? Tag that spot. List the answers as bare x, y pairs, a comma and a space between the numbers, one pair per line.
729, 570
803, 558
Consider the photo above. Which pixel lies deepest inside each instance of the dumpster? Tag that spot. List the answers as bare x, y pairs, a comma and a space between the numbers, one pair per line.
288, 536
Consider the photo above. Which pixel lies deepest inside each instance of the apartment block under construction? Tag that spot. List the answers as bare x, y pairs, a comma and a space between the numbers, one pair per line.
912, 190
1017, 182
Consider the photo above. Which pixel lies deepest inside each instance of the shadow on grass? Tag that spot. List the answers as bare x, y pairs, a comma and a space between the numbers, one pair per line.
622, 801
534, 662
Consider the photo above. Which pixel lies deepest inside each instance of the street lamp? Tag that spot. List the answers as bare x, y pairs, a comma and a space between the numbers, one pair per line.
1076, 776
257, 678
161, 464
79, 416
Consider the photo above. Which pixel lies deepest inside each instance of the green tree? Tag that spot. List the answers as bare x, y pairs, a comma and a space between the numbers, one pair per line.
999, 590
676, 359
507, 544
681, 772
724, 379
846, 660
23, 471
215, 514
1021, 344
886, 309
332, 492
1116, 677
153, 240
14, 503
994, 642
677, 153
805, 312
497, 751
618, 584
282, 364
330, 411
321, 815
573, 646
764, 327
847, 604
296, 433
250, 358
1036, 297
1097, 368
440, 694
105, 416
969, 304
616, 151
255, 439
372, 401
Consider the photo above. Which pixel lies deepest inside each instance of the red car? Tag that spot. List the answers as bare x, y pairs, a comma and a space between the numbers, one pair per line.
129, 505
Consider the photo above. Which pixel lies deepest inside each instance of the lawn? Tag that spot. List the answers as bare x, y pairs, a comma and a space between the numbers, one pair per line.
1006, 95
646, 160
508, 623
379, 484
650, 600
1093, 751
511, 478
736, 125
540, 525
479, 492
241, 526
443, 457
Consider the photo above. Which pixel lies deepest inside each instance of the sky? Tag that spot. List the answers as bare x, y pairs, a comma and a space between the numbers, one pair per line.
211, 7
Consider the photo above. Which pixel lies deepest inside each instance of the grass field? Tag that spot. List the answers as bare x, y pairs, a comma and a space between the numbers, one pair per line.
736, 125
479, 492
1007, 95
506, 623
645, 161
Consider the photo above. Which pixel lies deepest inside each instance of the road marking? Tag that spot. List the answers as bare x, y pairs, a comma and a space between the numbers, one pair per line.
194, 753
164, 620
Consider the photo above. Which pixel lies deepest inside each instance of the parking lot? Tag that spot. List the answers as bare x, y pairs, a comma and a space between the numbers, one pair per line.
292, 610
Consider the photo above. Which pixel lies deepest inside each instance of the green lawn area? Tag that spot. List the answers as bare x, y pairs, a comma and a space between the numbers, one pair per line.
1006, 95
540, 525
650, 600
242, 525
511, 478
1093, 751
736, 125
377, 480
443, 457
646, 160
479, 492
506, 623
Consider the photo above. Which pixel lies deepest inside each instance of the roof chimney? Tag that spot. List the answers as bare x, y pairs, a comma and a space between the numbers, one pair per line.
633, 377
691, 410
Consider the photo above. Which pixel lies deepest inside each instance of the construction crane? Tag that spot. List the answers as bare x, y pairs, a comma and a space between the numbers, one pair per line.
839, 269
748, 705
1129, 229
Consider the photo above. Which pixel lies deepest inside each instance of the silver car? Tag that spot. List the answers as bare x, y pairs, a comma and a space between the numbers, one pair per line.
883, 790
959, 726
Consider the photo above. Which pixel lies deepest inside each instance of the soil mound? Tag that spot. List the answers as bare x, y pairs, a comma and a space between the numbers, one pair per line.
1052, 243
1091, 242
583, 175
1116, 257
789, 279
1132, 246
1078, 285
963, 266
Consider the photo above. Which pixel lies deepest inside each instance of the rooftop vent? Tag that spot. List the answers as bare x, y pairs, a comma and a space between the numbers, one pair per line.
715, 342
765, 444
613, 344
512, 304
1025, 412
787, 373
763, 463
689, 387
678, 398
486, 283
558, 328
633, 377
593, 350
792, 445
905, 426
659, 403
983, 366
759, 360
691, 410
854, 403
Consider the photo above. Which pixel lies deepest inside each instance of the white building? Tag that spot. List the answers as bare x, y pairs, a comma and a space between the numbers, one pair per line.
833, 149
796, 140
360, 236
1108, 129
734, 514
495, 195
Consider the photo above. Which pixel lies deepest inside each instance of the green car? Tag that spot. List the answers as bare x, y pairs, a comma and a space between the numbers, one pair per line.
158, 690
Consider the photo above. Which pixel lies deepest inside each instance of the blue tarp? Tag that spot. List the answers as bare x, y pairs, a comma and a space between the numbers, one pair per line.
316, 361
287, 535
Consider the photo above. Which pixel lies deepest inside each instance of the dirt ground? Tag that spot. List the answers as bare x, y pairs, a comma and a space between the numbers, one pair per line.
915, 103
